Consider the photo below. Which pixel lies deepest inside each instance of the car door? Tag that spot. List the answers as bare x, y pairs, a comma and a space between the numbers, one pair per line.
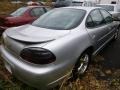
109, 22
97, 28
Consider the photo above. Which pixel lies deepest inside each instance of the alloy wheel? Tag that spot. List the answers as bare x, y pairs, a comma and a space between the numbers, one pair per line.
84, 62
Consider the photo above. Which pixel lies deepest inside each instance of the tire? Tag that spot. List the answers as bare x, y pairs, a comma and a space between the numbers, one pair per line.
116, 35
81, 65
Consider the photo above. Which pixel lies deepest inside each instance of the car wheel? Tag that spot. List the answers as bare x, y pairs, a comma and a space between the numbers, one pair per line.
82, 64
116, 35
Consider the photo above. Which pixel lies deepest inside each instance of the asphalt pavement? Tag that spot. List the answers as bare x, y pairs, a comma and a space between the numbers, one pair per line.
111, 54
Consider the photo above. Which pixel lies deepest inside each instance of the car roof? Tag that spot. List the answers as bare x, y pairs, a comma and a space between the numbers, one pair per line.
31, 6
83, 7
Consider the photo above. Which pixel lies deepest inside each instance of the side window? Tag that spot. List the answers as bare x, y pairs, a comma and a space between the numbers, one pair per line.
89, 22
96, 19
37, 12
107, 16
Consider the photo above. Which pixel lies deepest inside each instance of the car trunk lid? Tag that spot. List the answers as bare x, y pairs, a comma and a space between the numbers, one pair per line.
33, 34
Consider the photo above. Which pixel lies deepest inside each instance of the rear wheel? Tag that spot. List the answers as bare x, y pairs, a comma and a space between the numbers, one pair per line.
79, 69
82, 64
116, 35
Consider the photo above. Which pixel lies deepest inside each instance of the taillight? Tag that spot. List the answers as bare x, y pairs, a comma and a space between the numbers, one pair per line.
37, 55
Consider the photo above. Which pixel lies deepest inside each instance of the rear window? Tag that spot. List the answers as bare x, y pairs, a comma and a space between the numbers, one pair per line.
19, 11
107, 7
61, 19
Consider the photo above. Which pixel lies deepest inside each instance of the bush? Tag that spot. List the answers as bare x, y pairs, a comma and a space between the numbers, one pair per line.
8, 7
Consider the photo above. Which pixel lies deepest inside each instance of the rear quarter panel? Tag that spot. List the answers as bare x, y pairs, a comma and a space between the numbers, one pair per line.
69, 48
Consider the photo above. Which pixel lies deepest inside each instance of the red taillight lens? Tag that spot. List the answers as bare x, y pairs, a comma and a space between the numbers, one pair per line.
37, 55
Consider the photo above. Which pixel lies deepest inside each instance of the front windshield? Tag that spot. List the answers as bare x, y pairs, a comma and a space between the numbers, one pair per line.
19, 11
107, 7
61, 19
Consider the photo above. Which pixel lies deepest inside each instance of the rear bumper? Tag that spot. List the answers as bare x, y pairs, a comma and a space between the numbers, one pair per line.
39, 77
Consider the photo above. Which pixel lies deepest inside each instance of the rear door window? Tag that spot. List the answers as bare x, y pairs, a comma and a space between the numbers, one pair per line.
107, 16
95, 18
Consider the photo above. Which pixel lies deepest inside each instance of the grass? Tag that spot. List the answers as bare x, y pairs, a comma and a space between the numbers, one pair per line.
9, 82
7, 7
96, 78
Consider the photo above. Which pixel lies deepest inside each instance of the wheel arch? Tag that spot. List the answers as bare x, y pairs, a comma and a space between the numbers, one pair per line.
89, 49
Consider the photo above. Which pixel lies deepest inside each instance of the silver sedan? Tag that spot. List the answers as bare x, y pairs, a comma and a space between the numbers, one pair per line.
61, 41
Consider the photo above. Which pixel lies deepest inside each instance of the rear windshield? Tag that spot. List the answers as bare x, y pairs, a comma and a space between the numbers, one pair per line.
107, 7
61, 19
19, 11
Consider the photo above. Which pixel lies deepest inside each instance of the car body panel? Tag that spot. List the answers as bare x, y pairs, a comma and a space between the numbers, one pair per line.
40, 34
